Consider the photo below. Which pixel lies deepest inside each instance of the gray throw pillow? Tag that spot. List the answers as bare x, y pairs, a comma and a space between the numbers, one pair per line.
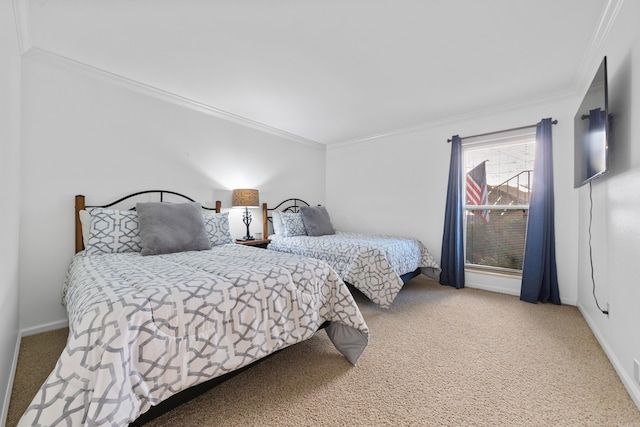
316, 220
171, 227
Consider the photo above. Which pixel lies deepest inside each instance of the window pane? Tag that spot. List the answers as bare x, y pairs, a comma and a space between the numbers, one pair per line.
498, 242
508, 168
496, 237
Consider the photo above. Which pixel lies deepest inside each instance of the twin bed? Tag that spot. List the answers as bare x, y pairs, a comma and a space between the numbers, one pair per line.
375, 264
162, 302
148, 321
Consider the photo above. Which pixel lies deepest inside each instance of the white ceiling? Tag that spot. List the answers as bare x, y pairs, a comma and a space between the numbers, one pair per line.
332, 71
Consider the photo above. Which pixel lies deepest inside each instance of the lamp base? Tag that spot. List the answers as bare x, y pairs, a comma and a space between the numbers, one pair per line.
246, 218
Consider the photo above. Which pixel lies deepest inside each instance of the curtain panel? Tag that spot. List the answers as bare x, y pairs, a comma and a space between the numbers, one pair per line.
539, 273
452, 259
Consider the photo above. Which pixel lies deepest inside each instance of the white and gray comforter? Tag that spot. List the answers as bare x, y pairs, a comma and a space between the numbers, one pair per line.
143, 328
372, 263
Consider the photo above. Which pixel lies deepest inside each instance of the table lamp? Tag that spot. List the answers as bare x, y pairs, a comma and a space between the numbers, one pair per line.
245, 198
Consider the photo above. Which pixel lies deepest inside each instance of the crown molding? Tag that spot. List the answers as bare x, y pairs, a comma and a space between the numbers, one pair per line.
607, 20
53, 58
558, 96
21, 17
593, 52
28, 50
601, 32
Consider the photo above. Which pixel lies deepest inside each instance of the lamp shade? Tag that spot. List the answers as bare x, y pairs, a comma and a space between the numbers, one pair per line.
245, 197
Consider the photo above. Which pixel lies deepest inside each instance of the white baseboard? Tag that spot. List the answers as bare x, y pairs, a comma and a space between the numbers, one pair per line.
16, 352
506, 290
44, 328
627, 380
489, 288
12, 374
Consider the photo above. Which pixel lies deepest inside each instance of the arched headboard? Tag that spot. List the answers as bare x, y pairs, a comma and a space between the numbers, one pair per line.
80, 205
289, 205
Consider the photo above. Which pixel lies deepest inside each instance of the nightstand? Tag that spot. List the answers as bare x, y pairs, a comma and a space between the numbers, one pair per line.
258, 243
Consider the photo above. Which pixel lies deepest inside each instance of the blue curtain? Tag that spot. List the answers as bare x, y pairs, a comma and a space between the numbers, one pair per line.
452, 260
539, 274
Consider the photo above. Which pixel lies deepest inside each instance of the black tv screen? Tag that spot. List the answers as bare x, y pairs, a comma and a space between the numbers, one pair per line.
591, 126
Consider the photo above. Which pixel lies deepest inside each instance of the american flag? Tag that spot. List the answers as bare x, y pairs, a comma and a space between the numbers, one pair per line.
477, 193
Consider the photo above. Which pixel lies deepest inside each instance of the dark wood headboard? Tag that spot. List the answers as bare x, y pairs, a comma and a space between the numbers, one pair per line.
80, 205
289, 205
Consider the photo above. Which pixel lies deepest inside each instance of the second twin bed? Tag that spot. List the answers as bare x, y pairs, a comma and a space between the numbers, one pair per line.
375, 264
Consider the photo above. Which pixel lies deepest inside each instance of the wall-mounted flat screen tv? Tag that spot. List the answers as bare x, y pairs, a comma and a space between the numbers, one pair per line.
591, 126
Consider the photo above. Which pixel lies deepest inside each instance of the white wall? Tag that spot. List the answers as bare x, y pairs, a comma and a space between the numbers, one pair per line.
397, 185
10, 200
86, 135
616, 210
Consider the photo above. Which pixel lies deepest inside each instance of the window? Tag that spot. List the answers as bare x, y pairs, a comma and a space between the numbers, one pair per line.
498, 175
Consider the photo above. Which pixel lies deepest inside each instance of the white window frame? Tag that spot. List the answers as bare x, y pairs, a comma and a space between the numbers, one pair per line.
495, 140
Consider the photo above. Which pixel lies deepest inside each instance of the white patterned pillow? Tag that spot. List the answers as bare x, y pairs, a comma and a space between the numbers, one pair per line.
113, 231
217, 228
85, 221
292, 224
276, 220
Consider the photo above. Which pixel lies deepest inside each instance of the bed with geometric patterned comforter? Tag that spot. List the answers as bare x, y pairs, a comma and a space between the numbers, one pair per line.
372, 263
143, 328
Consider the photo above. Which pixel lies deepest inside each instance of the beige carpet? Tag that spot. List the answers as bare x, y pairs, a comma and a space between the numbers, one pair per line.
438, 357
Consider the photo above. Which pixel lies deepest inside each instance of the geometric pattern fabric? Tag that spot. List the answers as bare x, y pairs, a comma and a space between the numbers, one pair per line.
372, 263
142, 329
217, 227
113, 231
292, 224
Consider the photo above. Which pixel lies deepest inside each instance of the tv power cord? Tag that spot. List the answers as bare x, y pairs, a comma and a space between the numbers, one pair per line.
606, 312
